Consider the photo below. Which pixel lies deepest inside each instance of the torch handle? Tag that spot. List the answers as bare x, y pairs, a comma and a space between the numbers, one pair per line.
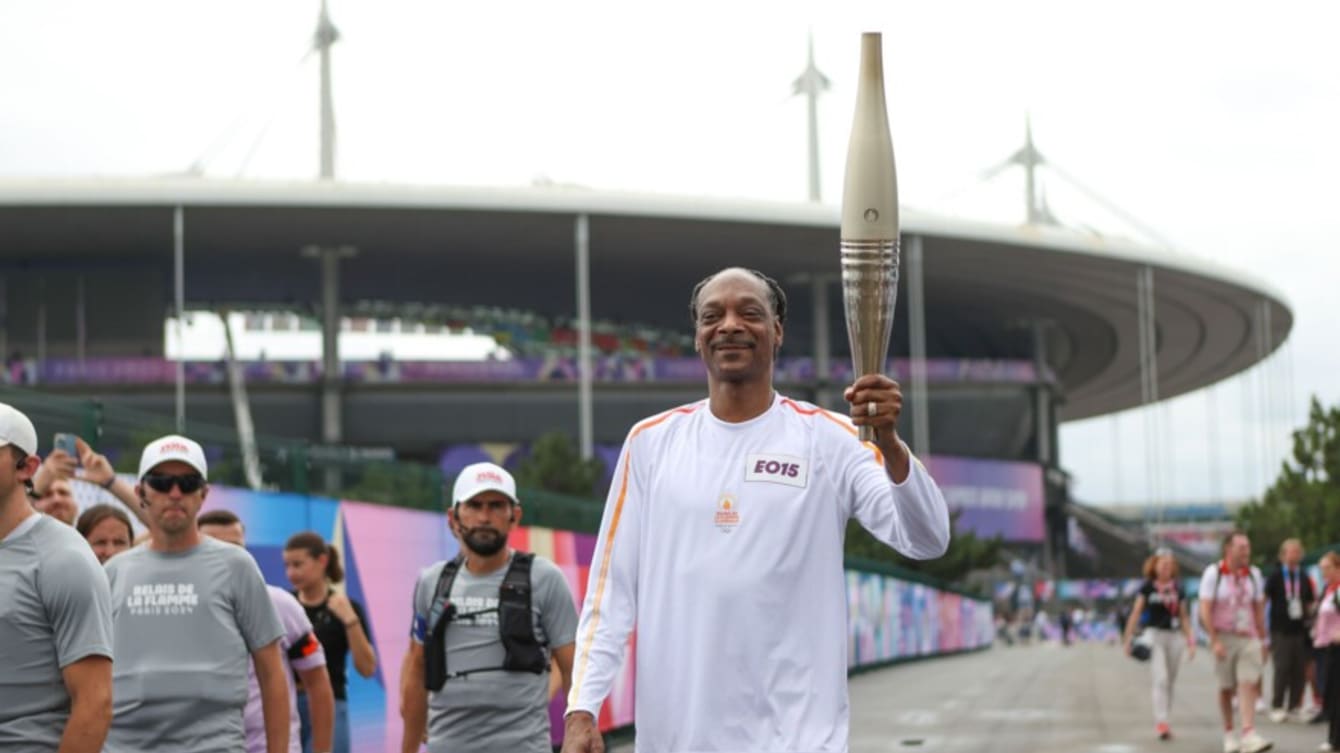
867, 433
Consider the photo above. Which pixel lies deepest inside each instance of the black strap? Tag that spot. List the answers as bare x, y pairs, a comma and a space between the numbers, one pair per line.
516, 621
304, 647
523, 651
441, 613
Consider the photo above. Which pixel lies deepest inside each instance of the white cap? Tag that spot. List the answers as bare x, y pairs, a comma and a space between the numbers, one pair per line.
16, 429
173, 447
483, 477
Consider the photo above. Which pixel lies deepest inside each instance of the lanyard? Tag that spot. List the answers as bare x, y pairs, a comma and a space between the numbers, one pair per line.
1237, 588
1291, 595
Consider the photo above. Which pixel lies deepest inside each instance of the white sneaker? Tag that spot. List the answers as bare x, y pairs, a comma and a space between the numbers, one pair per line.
1300, 716
1278, 715
1254, 743
1231, 743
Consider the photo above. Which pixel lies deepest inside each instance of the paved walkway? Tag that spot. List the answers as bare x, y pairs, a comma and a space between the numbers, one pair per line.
1041, 699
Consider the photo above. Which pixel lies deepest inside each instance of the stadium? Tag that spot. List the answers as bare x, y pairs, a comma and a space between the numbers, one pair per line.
342, 349
1020, 327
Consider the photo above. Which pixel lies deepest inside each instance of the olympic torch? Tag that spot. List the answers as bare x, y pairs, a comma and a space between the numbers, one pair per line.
869, 240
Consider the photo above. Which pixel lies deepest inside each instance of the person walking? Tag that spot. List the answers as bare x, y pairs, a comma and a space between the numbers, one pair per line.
722, 541
1327, 642
191, 615
1160, 608
304, 660
487, 626
1291, 598
55, 617
313, 569
1232, 612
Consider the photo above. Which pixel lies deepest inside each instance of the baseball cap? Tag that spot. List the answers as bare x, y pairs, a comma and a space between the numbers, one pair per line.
173, 447
483, 477
16, 429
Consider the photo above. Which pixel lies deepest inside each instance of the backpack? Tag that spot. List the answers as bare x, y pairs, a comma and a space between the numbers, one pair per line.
516, 626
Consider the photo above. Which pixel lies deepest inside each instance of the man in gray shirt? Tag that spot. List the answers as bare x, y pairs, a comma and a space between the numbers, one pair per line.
190, 612
55, 617
482, 707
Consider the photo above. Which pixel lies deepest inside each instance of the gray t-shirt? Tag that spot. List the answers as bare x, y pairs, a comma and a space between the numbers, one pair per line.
492, 712
186, 625
54, 610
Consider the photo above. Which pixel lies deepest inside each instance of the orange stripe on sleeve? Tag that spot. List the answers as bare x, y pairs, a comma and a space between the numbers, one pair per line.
584, 656
879, 456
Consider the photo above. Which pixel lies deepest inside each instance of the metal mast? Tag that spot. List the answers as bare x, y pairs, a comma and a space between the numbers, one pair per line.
811, 84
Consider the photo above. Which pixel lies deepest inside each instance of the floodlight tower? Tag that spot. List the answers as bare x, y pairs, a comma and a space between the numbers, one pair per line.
812, 83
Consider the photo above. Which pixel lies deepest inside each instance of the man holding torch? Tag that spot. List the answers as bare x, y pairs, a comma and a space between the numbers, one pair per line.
722, 538
722, 543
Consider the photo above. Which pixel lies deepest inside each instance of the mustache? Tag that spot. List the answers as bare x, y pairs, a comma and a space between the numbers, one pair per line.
738, 341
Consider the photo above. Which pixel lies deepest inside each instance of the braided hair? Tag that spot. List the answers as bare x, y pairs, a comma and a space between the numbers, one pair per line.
776, 296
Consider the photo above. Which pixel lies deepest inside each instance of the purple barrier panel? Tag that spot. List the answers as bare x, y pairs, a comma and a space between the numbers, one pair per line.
996, 497
106, 370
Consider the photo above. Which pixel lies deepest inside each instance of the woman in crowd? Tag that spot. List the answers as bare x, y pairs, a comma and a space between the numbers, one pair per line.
107, 529
1160, 607
313, 567
1327, 642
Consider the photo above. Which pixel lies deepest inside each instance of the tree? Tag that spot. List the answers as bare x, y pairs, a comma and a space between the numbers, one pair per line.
400, 484
967, 552
555, 465
1304, 501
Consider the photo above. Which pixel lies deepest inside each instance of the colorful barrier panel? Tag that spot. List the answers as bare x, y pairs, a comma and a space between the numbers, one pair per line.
889, 619
385, 548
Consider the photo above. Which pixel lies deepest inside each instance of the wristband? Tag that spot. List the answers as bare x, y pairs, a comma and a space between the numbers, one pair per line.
110, 482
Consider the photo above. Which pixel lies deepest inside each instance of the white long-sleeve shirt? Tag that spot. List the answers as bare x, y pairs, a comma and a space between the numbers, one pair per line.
723, 544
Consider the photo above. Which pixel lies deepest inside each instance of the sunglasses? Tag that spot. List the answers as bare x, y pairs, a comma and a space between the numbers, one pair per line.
189, 483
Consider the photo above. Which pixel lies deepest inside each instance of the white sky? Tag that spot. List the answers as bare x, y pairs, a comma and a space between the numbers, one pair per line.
1214, 122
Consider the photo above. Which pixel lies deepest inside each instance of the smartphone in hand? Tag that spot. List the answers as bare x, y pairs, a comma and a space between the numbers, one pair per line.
64, 441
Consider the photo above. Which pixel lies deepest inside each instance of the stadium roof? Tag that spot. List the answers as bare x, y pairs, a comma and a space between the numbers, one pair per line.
513, 247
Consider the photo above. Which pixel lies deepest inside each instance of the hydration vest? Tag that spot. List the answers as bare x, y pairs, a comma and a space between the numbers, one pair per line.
516, 626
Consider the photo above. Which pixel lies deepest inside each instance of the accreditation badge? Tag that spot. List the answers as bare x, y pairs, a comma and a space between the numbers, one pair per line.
1242, 621
1295, 609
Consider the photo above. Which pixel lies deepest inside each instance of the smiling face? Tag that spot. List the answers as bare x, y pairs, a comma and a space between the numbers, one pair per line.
58, 502
737, 334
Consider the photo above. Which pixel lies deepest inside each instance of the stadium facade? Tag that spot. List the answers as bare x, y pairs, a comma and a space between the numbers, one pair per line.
1019, 327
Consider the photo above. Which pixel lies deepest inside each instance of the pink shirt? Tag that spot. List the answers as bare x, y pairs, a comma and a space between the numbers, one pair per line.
1234, 599
1328, 620
309, 654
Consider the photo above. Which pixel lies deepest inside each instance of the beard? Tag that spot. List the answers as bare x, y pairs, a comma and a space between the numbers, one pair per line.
484, 541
